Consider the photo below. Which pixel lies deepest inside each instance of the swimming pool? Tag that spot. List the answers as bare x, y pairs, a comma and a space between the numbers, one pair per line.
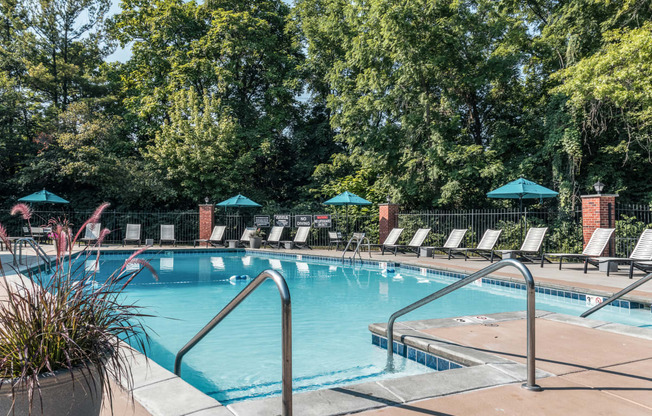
332, 308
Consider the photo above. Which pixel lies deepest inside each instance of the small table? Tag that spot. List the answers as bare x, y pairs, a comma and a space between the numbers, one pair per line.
289, 244
603, 265
233, 243
425, 251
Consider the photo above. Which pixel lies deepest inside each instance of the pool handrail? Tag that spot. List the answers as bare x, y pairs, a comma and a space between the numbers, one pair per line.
357, 238
529, 281
617, 295
286, 331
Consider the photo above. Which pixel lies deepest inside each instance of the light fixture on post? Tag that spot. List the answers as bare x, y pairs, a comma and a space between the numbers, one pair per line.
389, 200
206, 200
598, 186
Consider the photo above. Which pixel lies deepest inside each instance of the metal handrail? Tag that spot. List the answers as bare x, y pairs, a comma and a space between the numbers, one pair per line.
529, 281
617, 295
357, 247
40, 253
286, 331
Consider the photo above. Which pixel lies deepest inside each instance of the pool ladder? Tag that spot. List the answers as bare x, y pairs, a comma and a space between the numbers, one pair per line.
40, 253
358, 239
529, 281
617, 295
286, 330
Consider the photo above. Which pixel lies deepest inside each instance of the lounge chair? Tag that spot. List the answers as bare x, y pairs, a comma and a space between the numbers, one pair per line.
390, 242
246, 236
91, 233
132, 234
453, 241
335, 239
531, 245
416, 242
274, 237
216, 238
485, 248
167, 234
596, 245
639, 258
301, 238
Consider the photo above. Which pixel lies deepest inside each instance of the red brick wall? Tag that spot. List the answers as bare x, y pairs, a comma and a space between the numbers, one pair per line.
595, 214
206, 215
387, 220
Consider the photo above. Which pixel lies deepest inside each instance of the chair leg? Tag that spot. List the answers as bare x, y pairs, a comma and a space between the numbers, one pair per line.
631, 270
586, 265
560, 259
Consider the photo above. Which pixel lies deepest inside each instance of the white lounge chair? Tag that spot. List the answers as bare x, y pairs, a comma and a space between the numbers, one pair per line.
595, 247
216, 238
246, 236
91, 233
530, 247
301, 238
417, 241
335, 239
453, 241
274, 237
639, 258
485, 248
132, 233
167, 234
390, 243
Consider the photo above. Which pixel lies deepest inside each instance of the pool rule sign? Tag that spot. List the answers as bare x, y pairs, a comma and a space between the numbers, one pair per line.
323, 221
303, 220
282, 220
261, 220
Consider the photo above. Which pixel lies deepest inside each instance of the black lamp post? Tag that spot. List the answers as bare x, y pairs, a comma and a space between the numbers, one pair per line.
598, 186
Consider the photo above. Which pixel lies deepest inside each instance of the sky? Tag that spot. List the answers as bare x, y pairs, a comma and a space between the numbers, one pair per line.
120, 54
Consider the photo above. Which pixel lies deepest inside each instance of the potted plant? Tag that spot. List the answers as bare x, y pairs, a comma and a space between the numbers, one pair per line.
61, 334
256, 239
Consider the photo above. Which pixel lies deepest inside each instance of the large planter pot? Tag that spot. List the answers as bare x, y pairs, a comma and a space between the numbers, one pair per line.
255, 242
60, 395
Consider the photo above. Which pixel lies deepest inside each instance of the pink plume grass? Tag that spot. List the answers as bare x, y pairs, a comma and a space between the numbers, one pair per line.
102, 236
143, 263
133, 256
23, 209
93, 219
4, 237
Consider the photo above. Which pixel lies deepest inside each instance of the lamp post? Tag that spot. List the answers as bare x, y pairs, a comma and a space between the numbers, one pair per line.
598, 186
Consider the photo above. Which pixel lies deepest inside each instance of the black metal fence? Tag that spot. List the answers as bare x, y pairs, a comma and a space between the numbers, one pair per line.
186, 223
564, 233
631, 221
367, 223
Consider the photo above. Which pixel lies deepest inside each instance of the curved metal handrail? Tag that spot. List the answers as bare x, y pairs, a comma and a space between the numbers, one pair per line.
286, 331
617, 295
359, 242
529, 281
38, 250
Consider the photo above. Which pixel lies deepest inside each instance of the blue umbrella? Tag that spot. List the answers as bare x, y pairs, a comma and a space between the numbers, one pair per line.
347, 198
43, 196
522, 189
238, 201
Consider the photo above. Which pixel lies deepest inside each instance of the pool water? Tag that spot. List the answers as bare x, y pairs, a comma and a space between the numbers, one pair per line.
332, 307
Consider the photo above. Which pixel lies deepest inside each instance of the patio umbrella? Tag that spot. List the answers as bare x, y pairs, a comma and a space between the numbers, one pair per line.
43, 196
522, 189
347, 198
238, 201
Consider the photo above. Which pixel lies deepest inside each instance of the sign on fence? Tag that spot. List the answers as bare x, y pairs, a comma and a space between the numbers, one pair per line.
282, 220
323, 221
261, 220
303, 220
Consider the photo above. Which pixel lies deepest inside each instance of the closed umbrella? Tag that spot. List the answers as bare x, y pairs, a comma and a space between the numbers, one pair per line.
43, 196
347, 198
522, 189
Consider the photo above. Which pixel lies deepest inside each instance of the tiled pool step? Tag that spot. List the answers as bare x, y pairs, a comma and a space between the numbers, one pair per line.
413, 354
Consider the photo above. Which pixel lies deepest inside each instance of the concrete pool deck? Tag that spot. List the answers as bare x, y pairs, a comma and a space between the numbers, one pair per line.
592, 367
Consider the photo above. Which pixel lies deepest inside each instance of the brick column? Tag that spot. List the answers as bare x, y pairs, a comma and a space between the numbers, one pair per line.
598, 211
206, 215
387, 220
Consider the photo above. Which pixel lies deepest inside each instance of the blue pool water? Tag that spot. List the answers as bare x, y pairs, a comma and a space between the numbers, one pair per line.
332, 307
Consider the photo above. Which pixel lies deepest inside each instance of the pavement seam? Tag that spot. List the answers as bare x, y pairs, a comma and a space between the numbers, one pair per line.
402, 400
624, 398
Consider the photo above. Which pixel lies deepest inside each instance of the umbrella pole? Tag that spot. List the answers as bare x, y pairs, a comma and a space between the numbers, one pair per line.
521, 216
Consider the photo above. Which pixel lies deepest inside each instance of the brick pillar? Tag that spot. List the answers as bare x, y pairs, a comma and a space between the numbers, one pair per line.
598, 211
206, 215
387, 220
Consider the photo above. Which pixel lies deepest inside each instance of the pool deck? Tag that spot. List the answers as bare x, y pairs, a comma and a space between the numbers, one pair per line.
585, 366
